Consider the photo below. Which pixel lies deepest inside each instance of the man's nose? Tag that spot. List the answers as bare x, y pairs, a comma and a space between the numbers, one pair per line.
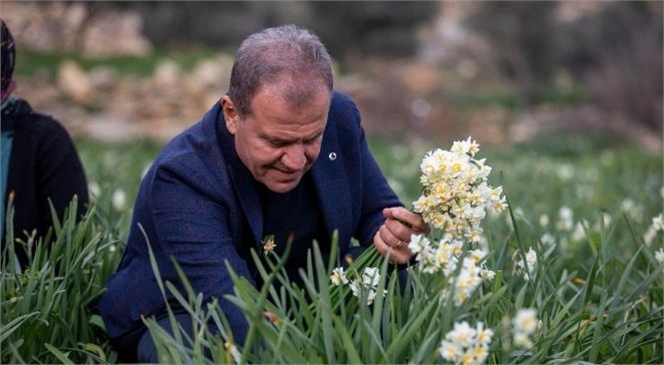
294, 158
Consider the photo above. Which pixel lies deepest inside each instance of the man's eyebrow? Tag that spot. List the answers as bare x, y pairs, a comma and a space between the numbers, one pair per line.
279, 140
314, 136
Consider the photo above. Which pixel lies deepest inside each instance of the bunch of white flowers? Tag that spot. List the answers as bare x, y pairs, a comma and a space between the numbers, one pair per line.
456, 193
524, 325
466, 345
527, 267
445, 257
468, 280
365, 286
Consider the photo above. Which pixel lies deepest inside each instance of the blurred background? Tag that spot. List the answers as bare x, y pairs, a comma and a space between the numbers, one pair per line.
422, 71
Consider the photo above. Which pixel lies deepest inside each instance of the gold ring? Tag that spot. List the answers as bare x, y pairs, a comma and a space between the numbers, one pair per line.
399, 244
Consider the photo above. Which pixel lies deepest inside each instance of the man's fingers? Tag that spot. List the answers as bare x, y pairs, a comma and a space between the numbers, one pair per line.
413, 221
394, 231
399, 256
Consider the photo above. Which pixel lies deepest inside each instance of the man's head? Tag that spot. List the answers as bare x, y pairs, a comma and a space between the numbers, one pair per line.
277, 104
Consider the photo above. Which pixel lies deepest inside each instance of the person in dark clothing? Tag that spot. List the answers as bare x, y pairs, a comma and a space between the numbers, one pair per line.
281, 155
40, 164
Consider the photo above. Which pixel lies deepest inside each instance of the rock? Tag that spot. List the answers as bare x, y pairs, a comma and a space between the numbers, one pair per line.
116, 33
421, 78
211, 73
74, 82
102, 77
73, 26
167, 75
111, 128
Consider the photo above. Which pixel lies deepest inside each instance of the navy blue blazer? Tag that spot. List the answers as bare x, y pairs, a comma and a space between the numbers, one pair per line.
198, 204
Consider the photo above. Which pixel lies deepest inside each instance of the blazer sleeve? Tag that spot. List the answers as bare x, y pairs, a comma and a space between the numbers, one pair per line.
193, 224
183, 215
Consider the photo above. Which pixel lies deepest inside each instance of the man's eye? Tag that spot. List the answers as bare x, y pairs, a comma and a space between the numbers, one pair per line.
278, 144
312, 140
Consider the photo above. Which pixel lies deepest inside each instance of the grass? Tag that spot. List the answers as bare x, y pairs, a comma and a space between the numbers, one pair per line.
597, 286
29, 63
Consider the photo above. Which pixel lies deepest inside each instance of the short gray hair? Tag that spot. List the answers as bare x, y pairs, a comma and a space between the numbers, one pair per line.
286, 53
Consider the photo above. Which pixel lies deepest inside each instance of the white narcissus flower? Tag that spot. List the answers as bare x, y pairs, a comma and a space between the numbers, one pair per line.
119, 199
659, 255
487, 275
531, 257
465, 344
366, 286
355, 287
371, 276
468, 280
418, 242
522, 340
371, 296
524, 324
338, 276
632, 209
649, 236
525, 321
565, 219
484, 334
548, 239
527, 267
462, 335
477, 255
450, 351
579, 232
657, 223
94, 189
479, 353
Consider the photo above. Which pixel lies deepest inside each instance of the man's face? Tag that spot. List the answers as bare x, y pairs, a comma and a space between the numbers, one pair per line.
276, 142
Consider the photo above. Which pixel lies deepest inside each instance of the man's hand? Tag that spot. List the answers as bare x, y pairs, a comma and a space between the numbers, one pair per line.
393, 236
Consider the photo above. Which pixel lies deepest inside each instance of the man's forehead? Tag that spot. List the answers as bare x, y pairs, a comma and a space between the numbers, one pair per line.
298, 90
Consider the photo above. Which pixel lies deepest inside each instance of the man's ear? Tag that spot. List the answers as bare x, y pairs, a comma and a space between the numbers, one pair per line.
230, 113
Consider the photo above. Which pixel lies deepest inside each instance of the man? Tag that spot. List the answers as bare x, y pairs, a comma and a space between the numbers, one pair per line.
281, 154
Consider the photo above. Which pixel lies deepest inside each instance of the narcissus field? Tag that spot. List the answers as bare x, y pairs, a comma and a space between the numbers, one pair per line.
546, 252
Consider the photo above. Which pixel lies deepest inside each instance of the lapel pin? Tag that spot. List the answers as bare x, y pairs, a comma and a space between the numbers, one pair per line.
332, 156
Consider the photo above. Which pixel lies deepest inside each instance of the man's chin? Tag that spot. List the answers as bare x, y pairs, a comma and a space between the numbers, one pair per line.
282, 186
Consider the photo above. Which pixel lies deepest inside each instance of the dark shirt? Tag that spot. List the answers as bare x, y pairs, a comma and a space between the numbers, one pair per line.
293, 213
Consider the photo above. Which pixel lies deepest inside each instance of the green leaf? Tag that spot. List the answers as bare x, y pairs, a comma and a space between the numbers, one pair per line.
59, 354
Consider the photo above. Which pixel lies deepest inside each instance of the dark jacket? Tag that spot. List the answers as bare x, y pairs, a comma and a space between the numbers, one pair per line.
198, 204
44, 165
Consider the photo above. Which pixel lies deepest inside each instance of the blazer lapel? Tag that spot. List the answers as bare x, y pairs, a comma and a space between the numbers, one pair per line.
331, 185
243, 183
244, 186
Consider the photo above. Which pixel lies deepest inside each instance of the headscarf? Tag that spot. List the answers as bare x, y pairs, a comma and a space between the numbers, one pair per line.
8, 59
